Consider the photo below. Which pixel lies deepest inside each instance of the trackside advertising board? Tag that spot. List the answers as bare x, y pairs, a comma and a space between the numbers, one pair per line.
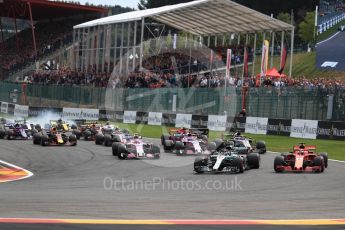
304, 128
155, 118
80, 114
4, 107
183, 120
21, 110
216, 123
256, 125
129, 117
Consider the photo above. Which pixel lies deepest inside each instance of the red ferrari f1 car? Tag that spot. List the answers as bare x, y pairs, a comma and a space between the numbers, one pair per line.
302, 159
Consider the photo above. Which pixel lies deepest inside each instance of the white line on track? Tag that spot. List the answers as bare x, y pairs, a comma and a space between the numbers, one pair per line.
328, 38
30, 174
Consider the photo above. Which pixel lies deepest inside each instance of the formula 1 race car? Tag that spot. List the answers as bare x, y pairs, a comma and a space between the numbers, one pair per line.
54, 137
17, 130
302, 159
242, 144
87, 129
186, 141
133, 147
227, 160
109, 134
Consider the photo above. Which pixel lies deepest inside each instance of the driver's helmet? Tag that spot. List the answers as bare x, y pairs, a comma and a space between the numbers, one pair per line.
16, 125
136, 136
59, 121
238, 134
53, 130
302, 146
107, 123
189, 134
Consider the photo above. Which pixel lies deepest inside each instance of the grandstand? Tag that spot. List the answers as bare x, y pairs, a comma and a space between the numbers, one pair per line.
120, 40
48, 29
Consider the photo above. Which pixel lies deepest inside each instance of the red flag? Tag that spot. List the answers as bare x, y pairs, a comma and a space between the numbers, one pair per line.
283, 61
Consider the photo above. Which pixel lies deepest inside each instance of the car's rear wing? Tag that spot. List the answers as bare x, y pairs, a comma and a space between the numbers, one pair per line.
309, 148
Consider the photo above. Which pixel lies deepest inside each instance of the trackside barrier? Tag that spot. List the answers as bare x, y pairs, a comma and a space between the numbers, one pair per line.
330, 23
308, 129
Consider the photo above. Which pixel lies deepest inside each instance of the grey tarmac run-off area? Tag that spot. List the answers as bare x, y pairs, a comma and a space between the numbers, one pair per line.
68, 182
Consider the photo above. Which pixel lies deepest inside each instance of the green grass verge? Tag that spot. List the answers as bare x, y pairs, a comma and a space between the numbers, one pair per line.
334, 148
330, 32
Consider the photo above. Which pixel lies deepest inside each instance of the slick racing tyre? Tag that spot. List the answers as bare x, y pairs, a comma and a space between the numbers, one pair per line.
107, 140
261, 147
278, 162
114, 148
164, 138
238, 162
319, 161
87, 135
325, 158
253, 160
99, 139
44, 140
2, 133
36, 138
122, 152
73, 140
168, 144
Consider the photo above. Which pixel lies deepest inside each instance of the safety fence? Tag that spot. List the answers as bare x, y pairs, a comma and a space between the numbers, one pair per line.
326, 24
272, 102
299, 128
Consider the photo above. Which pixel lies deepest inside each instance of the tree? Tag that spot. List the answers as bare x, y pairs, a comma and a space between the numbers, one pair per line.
147, 4
285, 17
306, 28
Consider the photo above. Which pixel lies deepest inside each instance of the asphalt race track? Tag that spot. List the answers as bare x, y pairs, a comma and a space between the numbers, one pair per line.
87, 182
332, 51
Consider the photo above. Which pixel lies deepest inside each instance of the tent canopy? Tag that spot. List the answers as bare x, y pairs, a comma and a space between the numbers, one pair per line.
201, 17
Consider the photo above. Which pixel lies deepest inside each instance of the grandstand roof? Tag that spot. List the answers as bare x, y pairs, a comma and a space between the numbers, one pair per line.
43, 9
202, 17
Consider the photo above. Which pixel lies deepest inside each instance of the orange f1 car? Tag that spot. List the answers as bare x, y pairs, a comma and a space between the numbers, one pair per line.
302, 159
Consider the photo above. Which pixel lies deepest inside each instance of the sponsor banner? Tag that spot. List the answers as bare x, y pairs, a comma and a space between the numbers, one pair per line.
216, 123
21, 110
43, 111
331, 130
304, 129
4, 107
281, 127
183, 120
11, 109
142, 117
155, 118
168, 119
234, 124
80, 114
256, 125
129, 117
199, 121
119, 116
106, 115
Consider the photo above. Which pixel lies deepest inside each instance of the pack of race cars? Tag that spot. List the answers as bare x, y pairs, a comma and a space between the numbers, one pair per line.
232, 153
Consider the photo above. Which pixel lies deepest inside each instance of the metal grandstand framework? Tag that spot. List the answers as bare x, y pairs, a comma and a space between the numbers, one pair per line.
101, 41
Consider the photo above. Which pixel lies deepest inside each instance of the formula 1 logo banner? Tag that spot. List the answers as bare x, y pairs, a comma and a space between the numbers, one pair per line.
4, 107
129, 117
216, 123
155, 118
21, 110
79, 113
256, 125
331, 130
304, 129
183, 120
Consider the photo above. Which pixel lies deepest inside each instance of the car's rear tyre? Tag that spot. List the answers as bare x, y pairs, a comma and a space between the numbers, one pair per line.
2, 133
44, 140
164, 138
10, 135
73, 139
99, 139
253, 160
261, 147
278, 162
114, 148
219, 143
168, 144
77, 133
319, 161
107, 140
87, 135
122, 152
325, 158
36, 138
